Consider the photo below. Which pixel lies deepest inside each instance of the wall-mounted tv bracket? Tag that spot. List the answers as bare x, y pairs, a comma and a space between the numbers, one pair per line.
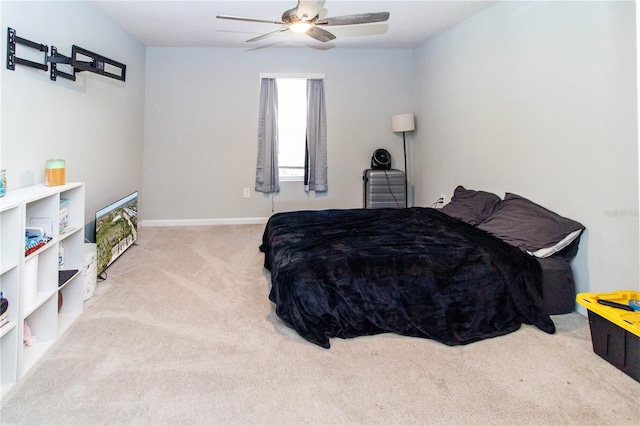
12, 59
98, 64
58, 58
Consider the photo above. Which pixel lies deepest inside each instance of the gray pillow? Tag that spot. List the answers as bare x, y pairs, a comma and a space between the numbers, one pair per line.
527, 225
471, 206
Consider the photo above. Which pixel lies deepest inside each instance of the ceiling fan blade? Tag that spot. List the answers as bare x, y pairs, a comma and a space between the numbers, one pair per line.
239, 18
260, 37
363, 18
320, 34
308, 9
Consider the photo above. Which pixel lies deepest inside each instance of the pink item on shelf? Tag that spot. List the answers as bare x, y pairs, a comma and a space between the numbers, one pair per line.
29, 339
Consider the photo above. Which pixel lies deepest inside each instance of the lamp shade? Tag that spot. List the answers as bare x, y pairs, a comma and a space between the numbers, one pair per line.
403, 123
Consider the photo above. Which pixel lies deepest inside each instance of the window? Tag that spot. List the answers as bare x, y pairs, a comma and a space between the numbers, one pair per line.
292, 127
307, 115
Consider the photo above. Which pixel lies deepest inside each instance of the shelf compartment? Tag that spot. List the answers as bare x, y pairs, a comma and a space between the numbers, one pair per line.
43, 323
9, 359
31, 354
10, 225
43, 320
6, 328
7, 268
9, 285
41, 297
40, 249
39, 278
75, 207
65, 320
44, 213
73, 245
72, 295
69, 279
30, 281
68, 232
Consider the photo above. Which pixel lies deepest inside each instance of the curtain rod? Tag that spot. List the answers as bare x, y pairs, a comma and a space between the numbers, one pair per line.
308, 76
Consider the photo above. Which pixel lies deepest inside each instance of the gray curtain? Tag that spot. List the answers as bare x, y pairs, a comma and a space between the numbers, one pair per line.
315, 178
267, 167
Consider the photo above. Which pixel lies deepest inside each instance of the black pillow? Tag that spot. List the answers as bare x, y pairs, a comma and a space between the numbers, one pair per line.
470, 206
527, 225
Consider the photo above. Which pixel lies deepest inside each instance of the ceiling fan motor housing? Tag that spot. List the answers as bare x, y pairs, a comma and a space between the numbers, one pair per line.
290, 16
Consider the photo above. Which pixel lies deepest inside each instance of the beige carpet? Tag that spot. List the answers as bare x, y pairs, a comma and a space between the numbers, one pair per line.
182, 332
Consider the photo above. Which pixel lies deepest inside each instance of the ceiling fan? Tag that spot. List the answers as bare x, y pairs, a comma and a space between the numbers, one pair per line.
305, 18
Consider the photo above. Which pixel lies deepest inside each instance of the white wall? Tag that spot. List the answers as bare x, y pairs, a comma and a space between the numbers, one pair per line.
539, 99
201, 127
94, 123
536, 98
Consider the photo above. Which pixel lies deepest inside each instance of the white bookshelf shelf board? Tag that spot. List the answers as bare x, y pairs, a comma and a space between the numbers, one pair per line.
6, 328
31, 354
7, 268
64, 284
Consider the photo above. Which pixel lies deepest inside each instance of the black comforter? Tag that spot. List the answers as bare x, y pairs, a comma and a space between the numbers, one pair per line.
415, 272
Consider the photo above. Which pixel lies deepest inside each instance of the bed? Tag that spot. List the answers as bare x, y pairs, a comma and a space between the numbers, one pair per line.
422, 272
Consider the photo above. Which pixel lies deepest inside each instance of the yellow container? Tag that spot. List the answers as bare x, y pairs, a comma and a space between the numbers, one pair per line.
54, 173
629, 320
615, 333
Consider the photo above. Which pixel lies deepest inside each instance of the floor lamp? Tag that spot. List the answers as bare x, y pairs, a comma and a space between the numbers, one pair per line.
404, 123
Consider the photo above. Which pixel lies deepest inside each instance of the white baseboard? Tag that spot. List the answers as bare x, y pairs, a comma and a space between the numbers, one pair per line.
204, 222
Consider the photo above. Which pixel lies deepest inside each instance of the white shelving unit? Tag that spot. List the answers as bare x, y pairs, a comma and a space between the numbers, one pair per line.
10, 239
30, 283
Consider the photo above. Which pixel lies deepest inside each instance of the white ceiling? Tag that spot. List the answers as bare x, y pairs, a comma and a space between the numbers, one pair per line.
194, 24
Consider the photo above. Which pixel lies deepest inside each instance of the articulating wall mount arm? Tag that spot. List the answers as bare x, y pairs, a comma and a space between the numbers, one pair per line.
80, 60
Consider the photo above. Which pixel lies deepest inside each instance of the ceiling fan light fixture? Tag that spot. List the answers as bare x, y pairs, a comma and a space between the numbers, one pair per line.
300, 27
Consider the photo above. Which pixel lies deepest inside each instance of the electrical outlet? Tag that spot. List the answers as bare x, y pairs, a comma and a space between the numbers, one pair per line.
247, 192
443, 198
439, 202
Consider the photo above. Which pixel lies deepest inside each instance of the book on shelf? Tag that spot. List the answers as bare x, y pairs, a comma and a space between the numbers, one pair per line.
4, 306
4, 310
